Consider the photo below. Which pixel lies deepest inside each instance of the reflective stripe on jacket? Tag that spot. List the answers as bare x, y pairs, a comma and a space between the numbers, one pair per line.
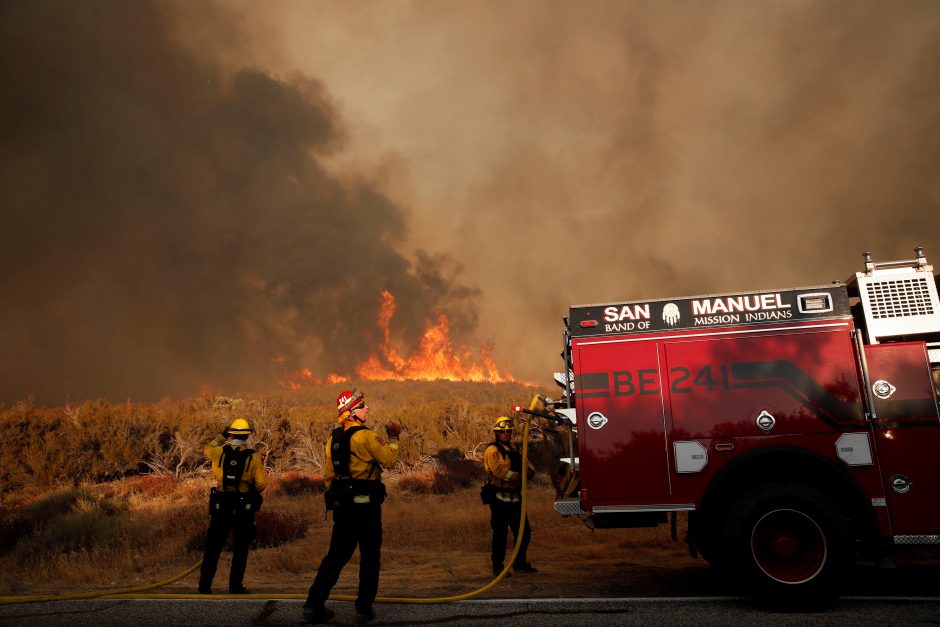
498, 467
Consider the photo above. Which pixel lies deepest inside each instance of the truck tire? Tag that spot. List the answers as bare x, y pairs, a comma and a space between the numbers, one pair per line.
786, 542
706, 537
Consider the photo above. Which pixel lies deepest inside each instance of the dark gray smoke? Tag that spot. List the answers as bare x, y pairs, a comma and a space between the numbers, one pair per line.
167, 224
579, 152
627, 150
176, 212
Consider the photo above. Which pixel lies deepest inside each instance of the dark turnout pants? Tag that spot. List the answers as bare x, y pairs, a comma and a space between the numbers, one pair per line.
242, 522
355, 524
503, 515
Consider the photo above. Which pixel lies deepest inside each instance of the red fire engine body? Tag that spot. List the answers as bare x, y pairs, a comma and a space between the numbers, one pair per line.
796, 427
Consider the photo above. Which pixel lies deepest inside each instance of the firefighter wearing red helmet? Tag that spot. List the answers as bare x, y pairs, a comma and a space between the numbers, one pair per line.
240, 476
355, 456
503, 493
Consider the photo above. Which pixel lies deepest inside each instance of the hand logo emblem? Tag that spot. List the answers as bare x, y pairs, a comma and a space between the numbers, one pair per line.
671, 314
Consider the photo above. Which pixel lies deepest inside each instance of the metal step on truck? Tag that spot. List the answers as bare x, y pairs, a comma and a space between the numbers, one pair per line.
799, 428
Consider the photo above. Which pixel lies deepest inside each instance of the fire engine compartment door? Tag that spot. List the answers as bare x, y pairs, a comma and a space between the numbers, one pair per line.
803, 381
621, 424
907, 433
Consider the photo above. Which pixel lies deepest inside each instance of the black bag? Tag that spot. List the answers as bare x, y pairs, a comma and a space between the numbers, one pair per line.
215, 502
343, 489
254, 500
233, 464
342, 492
488, 493
515, 460
340, 453
233, 502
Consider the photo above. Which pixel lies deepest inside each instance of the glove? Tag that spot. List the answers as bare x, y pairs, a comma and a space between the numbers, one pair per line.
393, 429
515, 461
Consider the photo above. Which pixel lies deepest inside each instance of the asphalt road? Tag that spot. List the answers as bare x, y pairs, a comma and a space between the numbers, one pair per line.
901, 596
542, 612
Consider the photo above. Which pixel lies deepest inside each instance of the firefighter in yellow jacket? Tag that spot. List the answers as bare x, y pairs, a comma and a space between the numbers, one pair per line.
240, 476
503, 462
355, 456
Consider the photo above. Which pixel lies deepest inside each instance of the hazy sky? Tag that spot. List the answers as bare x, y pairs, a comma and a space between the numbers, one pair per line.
191, 190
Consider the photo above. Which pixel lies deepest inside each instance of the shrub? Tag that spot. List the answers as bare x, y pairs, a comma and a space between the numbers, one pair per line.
455, 472
55, 503
296, 484
194, 525
70, 520
77, 531
99, 441
416, 483
276, 528
150, 485
15, 523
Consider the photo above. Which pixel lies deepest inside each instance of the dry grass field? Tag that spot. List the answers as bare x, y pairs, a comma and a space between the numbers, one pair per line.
144, 530
438, 545
99, 496
96, 441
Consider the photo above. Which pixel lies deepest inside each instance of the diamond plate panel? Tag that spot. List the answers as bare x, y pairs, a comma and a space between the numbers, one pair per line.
922, 539
569, 507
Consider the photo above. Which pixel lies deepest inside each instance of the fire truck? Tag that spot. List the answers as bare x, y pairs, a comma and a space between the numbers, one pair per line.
798, 428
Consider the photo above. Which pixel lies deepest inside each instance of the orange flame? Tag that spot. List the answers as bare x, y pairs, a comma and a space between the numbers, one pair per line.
435, 358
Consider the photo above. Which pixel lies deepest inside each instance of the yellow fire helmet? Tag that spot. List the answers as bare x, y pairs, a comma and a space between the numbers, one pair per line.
503, 424
240, 427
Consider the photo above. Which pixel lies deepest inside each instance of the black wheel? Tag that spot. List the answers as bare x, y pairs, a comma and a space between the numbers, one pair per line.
706, 535
787, 541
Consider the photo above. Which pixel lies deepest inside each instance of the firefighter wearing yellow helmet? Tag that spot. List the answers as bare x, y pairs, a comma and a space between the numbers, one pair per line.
240, 476
502, 460
355, 456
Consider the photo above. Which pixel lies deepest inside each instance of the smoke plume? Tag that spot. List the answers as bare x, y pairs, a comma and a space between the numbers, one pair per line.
577, 153
167, 222
190, 190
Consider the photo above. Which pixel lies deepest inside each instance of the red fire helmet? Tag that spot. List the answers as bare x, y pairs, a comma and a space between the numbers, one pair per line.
348, 400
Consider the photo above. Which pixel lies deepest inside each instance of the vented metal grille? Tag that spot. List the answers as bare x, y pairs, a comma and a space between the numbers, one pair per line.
900, 298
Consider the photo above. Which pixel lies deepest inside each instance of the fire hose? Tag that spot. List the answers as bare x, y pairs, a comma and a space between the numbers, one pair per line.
135, 592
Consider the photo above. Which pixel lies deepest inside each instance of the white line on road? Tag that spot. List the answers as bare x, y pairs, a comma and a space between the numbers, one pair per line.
542, 600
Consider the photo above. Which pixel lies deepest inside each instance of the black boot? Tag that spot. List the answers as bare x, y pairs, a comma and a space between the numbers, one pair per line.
317, 615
